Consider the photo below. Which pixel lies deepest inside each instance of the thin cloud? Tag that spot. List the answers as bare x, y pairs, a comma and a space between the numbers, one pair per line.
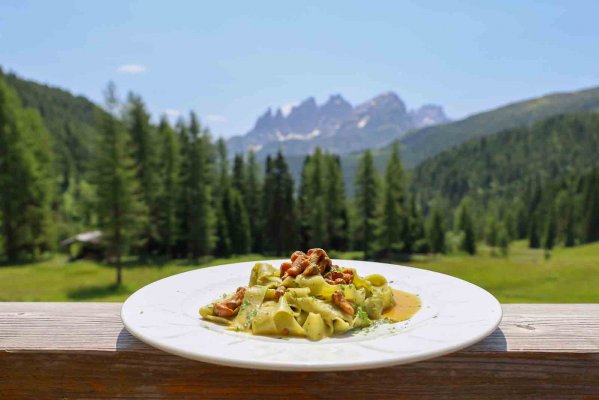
172, 113
215, 118
132, 69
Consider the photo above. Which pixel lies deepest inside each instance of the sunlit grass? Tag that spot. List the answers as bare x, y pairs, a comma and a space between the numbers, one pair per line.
568, 276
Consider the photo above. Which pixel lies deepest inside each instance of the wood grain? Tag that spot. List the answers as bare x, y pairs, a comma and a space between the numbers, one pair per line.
80, 350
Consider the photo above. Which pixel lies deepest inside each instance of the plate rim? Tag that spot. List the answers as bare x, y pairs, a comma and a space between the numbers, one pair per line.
305, 367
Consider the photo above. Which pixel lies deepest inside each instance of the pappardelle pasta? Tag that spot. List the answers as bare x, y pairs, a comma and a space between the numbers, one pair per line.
307, 296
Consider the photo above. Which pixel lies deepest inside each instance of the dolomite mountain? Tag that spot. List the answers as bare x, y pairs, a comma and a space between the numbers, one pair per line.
335, 126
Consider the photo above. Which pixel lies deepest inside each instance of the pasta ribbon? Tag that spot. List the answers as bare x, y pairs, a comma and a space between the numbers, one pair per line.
316, 299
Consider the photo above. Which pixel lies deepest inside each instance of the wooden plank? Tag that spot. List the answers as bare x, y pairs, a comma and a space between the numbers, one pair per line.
98, 327
80, 350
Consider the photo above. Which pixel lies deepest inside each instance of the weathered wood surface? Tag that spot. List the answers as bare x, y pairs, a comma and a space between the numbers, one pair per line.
80, 350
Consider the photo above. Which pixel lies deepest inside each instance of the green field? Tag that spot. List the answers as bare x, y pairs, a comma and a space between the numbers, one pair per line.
525, 276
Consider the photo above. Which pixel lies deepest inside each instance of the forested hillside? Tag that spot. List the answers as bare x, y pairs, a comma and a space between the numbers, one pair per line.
507, 164
71, 120
173, 192
427, 142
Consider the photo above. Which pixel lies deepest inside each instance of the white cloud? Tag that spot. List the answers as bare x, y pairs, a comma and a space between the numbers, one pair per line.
215, 118
131, 68
171, 113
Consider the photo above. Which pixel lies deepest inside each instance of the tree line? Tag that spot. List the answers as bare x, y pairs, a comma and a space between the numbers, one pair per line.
173, 191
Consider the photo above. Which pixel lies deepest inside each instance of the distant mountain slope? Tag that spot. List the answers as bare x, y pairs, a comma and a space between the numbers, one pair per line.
69, 119
418, 145
335, 126
506, 164
425, 143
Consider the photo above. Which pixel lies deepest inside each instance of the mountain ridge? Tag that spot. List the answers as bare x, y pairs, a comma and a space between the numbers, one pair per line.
335, 125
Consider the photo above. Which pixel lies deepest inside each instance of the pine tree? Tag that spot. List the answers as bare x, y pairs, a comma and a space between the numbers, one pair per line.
550, 231
491, 232
200, 236
393, 216
591, 207
223, 202
316, 213
465, 224
122, 213
534, 240
253, 201
334, 198
521, 220
184, 205
239, 178
503, 240
436, 229
280, 223
534, 237
240, 225
224, 212
415, 238
366, 198
241, 232
304, 207
26, 179
169, 186
322, 204
146, 162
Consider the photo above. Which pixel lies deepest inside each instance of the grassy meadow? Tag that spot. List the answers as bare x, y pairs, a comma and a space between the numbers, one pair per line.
570, 275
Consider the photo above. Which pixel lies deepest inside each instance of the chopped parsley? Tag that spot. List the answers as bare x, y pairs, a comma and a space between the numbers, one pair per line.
362, 314
244, 304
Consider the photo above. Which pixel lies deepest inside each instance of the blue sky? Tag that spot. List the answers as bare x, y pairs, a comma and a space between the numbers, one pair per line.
229, 61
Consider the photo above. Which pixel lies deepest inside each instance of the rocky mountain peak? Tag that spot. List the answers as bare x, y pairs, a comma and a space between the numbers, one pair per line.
386, 102
264, 121
336, 107
335, 125
429, 114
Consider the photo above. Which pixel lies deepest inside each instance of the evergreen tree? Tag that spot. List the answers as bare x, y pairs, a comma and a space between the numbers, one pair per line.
334, 198
393, 222
239, 177
550, 231
241, 232
570, 229
146, 162
280, 223
415, 238
200, 236
304, 208
224, 202
240, 225
252, 200
322, 204
590, 223
366, 198
465, 224
436, 229
26, 179
184, 205
521, 220
492, 232
169, 175
503, 240
224, 213
315, 204
122, 213
534, 240
534, 237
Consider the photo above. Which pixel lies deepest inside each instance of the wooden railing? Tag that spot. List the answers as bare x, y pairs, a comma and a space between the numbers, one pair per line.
81, 350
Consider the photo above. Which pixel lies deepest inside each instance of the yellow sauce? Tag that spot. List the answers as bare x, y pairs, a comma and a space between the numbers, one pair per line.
406, 305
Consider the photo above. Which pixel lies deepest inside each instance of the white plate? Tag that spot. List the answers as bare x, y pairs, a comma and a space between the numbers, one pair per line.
454, 314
